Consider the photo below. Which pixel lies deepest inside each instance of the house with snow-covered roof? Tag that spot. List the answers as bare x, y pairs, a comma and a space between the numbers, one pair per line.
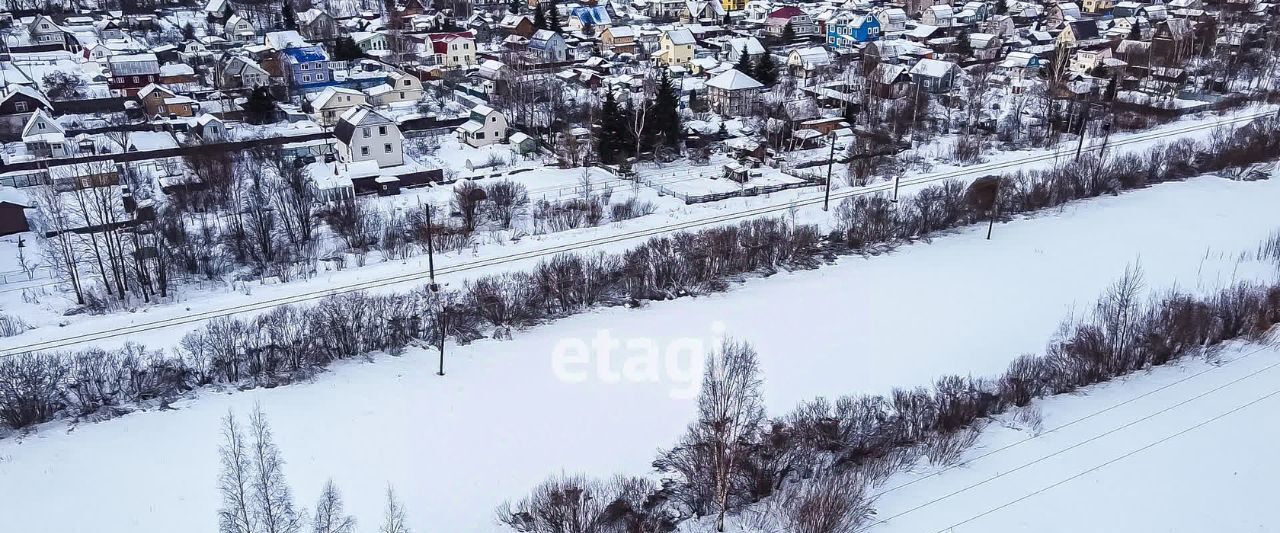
43, 137
306, 67
934, 76
400, 87
805, 62
732, 93
855, 29
675, 47
238, 29
18, 102
801, 23
329, 104
595, 18
485, 126
363, 134
548, 46
453, 49
618, 39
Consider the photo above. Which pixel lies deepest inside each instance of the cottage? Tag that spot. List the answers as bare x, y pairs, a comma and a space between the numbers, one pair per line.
589, 20
618, 40
733, 93
702, 10
858, 29
802, 25
548, 46
365, 135
159, 101
317, 25
455, 49
892, 19
521, 25
243, 73
400, 87
804, 63
239, 29
329, 104
675, 48
1172, 42
486, 126
132, 72
889, 80
306, 67
941, 16
17, 103
934, 76
44, 138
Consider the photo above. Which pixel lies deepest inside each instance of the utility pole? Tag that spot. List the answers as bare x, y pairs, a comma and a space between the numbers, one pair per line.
896, 178
831, 160
442, 318
431, 252
1084, 128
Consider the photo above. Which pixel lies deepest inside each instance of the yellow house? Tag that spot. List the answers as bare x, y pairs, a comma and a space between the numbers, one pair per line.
733, 5
675, 48
1097, 6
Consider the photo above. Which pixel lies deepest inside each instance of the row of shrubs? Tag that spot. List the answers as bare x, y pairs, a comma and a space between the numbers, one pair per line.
290, 342
816, 468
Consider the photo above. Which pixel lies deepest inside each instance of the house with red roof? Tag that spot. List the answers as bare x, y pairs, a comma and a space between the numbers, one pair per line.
802, 24
452, 49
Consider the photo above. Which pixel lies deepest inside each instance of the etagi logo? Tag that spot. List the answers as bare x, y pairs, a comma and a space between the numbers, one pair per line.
610, 359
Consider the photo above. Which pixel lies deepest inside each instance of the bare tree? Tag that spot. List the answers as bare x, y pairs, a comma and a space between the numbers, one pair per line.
730, 413
269, 493
834, 503
330, 516
394, 519
235, 483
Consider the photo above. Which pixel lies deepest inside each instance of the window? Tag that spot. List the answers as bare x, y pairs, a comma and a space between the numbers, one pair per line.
364, 150
319, 77
366, 132
20, 107
382, 130
466, 46
306, 77
306, 66
493, 119
402, 95
406, 83
479, 134
386, 148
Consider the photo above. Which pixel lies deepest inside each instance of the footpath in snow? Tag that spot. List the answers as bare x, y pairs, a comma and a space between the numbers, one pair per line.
503, 418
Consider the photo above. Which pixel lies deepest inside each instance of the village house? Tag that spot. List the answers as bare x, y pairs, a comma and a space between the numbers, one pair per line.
239, 29
159, 101
805, 63
940, 16
329, 104
745, 45
400, 87
589, 20
1171, 43
44, 138
891, 19
365, 135
317, 25
132, 72
855, 29
934, 76
243, 73
890, 81
732, 93
702, 11
453, 50
521, 25
548, 47
306, 67
1077, 31
618, 40
675, 48
486, 126
802, 25
17, 103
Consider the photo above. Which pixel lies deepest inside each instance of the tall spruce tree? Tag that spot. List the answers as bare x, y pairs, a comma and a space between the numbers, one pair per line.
766, 70
744, 63
788, 33
666, 111
290, 20
539, 17
553, 19
610, 142
513, 6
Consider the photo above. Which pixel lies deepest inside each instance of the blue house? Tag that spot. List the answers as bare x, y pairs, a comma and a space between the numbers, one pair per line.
308, 67
845, 31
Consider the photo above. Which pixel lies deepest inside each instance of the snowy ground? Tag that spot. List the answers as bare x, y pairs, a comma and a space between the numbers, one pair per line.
504, 418
1180, 449
159, 325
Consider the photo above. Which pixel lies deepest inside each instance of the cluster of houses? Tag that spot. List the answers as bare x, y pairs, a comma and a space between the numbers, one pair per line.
193, 75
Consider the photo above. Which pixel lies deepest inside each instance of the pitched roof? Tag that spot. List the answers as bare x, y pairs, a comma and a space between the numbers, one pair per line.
359, 116
15, 90
733, 80
932, 68
680, 36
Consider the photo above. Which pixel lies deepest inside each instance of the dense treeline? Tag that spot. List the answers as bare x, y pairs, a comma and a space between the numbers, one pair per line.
289, 342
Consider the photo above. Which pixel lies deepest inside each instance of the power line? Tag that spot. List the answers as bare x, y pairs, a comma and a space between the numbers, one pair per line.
1094, 438
1122, 457
1110, 408
568, 247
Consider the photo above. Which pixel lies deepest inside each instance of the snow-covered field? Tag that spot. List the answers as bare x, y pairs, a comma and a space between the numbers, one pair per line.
1184, 449
504, 418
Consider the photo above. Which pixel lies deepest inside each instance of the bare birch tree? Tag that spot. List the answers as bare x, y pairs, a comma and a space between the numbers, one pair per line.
235, 516
271, 500
330, 517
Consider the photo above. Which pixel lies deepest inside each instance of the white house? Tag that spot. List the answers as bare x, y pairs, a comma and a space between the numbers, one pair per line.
400, 87
365, 135
332, 102
486, 126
